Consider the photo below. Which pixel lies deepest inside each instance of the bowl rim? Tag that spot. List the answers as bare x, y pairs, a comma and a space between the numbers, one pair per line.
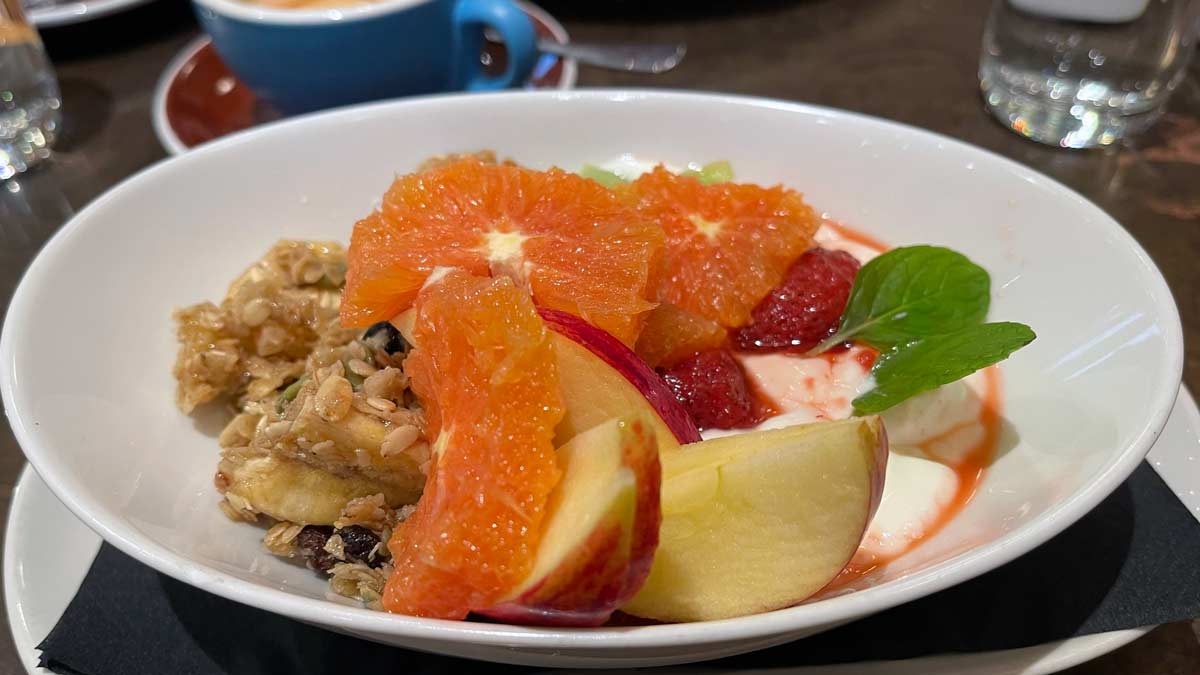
271, 16
821, 614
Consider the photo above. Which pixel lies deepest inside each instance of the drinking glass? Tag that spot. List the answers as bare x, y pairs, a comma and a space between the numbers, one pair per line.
29, 98
1084, 73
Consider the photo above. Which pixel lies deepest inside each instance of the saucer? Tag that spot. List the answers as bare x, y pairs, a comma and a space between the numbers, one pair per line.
197, 99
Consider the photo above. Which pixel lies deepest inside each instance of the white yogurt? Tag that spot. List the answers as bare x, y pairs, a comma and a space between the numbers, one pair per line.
917, 491
827, 237
629, 167
812, 389
944, 422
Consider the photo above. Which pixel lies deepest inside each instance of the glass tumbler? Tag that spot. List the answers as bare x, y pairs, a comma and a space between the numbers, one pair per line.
1084, 73
29, 98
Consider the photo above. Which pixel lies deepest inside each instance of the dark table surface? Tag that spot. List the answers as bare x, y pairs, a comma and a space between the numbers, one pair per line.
913, 61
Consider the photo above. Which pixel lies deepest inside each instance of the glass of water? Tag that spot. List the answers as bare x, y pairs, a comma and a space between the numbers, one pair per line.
1084, 73
29, 98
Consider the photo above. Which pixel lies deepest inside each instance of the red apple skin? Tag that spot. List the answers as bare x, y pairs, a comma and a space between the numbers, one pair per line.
580, 592
881, 461
879, 479
630, 365
610, 565
648, 514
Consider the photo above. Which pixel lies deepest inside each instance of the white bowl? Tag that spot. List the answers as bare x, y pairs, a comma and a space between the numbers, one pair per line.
88, 344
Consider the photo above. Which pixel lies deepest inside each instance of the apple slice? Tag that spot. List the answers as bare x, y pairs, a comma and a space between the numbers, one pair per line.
602, 379
763, 520
601, 530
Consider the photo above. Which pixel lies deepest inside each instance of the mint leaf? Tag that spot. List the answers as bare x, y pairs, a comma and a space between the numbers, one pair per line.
713, 172
913, 292
930, 362
923, 307
602, 176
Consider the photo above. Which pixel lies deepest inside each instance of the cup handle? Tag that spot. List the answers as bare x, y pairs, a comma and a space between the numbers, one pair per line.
514, 26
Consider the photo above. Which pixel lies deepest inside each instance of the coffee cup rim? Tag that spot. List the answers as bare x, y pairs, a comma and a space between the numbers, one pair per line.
305, 17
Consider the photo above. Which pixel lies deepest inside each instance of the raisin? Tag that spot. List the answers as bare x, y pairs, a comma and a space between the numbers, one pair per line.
311, 542
358, 542
384, 336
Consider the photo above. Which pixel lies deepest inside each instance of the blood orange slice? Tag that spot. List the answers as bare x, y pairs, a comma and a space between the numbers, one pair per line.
727, 244
672, 334
484, 369
575, 245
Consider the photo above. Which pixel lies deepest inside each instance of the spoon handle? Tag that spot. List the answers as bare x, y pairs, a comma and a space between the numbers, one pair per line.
634, 58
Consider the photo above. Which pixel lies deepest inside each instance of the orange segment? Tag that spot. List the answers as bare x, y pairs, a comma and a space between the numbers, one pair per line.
727, 244
573, 244
672, 334
484, 369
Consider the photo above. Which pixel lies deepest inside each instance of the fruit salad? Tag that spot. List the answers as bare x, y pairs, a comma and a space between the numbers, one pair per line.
546, 397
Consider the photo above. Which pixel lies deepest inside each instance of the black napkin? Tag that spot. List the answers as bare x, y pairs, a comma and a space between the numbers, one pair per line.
1131, 562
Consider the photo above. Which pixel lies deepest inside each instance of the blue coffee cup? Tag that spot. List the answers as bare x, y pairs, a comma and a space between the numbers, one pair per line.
308, 59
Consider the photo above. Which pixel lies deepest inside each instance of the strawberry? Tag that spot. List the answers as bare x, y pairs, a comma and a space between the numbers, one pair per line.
713, 388
805, 308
